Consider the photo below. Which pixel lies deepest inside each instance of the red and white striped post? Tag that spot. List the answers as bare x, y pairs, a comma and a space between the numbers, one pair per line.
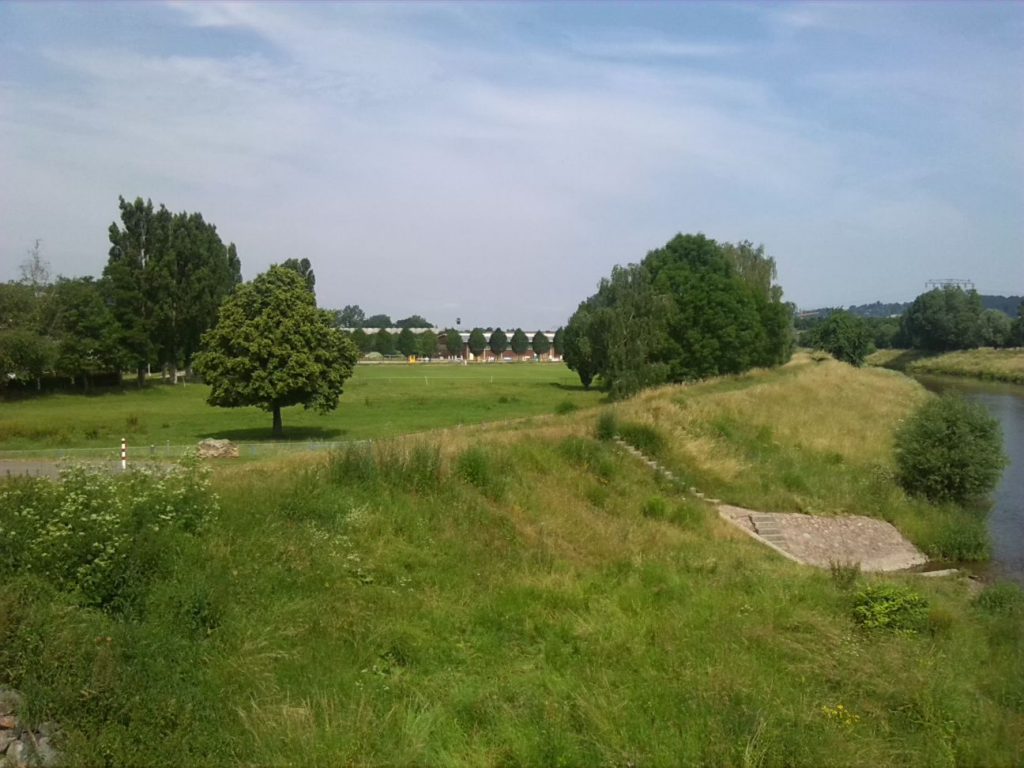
124, 454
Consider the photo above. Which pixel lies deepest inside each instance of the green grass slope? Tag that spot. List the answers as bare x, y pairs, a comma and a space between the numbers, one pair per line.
988, 364
515, 595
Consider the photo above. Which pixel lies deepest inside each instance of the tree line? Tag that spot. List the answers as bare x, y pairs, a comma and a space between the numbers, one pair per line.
1008, 305
164, 280
427, 343
940, 320
691, 309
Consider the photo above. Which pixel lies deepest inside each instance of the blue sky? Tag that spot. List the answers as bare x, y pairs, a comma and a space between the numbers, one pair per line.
493, 161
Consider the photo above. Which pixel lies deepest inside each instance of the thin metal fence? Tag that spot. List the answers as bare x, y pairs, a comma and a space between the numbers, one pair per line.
164, 451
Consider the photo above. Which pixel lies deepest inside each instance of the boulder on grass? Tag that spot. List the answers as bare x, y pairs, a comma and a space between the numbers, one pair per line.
217, 449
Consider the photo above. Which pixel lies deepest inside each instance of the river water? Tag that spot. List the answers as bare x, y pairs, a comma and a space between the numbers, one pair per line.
1006, 522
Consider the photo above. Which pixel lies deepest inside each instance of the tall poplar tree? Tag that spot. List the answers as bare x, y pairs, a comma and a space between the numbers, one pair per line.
166, 276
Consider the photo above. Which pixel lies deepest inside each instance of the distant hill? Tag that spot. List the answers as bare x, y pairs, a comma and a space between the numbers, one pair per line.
1005, 304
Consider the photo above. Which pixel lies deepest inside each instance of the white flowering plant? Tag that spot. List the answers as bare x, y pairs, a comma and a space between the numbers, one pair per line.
100, 535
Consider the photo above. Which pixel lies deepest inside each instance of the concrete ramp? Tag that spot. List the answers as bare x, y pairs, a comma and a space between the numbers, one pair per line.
821, 541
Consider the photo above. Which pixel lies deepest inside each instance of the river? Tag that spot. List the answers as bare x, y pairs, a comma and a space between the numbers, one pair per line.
1006, 522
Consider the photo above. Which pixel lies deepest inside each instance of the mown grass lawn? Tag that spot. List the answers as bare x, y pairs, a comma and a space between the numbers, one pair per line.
379, 401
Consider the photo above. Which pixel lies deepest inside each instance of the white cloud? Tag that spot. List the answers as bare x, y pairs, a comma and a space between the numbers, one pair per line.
412, 167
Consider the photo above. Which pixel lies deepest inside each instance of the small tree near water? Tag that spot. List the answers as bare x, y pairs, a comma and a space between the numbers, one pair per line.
845, 337
949, 450
272, 347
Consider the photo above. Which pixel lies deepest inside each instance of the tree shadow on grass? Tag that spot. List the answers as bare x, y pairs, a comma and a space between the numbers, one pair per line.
905, 358
291, 434
569, 387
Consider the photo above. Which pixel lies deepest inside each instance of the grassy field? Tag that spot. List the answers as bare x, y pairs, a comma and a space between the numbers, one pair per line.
379, 401
992, 364
526, 594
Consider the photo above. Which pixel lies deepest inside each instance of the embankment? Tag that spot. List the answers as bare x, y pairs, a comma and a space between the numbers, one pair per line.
987, 364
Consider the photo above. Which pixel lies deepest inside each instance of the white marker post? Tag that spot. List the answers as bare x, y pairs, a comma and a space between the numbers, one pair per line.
124, 454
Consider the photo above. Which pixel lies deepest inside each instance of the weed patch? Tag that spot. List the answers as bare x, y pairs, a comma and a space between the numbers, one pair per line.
890, 607
486, 470
1001, 600
607, 426
643, 437
844, 575
385, 464
589, 455
98, 536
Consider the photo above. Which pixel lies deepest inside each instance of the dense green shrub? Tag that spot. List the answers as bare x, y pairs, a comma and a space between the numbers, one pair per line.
890, 606
100, 536
949, 450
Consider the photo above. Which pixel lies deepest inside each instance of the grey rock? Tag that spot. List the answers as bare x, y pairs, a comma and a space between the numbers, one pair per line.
46, 755
17, 754
6, 739
48, 728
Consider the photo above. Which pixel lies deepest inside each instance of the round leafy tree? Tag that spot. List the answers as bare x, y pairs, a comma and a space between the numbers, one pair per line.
477, 342
453, 343
949, 450
498, 342
384, 342
558, 343
541, 343
845, 337
272, 347
407, 344
519, 342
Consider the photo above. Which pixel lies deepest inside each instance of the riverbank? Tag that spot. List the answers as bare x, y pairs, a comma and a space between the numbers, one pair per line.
1005, 365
